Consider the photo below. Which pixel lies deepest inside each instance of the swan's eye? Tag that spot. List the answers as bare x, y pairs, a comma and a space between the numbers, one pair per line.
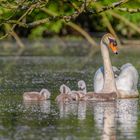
114, 43
111, 40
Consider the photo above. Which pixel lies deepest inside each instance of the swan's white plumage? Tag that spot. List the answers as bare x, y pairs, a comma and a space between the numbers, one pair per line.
126, 78
99, 78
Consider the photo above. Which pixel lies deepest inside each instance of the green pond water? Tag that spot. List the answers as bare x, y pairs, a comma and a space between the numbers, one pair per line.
21, 120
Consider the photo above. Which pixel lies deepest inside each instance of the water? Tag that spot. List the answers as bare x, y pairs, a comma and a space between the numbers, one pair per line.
21, 120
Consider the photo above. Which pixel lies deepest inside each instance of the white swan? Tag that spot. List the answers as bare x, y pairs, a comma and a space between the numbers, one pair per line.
109, 79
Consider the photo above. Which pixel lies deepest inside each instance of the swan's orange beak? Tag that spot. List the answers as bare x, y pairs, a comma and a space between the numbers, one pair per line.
113, 47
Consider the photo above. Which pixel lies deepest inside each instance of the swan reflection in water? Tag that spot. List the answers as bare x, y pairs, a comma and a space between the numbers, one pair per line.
38, 106
116, 117
104, 116
127, 117
113, 119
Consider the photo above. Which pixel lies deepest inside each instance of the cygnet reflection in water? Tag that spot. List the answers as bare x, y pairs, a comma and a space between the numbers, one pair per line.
73, 108
41, 106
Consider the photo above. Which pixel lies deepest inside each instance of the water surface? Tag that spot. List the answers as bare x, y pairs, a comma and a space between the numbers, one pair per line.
52, 121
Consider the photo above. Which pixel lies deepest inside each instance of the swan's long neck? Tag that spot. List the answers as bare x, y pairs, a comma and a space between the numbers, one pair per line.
109, 81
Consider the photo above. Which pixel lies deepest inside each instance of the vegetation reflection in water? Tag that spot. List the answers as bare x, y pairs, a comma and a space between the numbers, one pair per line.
49, 120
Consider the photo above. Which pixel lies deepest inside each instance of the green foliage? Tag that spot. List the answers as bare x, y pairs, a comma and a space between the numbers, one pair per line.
119, 25
13, 10
55, 26
37, 32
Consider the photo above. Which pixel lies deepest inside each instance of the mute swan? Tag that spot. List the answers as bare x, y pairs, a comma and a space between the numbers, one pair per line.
124, 84
64, 94
44, 94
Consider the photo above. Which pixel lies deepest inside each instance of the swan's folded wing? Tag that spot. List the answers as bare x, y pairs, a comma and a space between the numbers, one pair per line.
128, 78
98, 80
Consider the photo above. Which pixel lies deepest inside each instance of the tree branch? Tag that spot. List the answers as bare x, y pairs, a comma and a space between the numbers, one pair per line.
129, 10
109, 26
83, 33
19, 42
126, 21
18, 21
112, 6
66, 18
